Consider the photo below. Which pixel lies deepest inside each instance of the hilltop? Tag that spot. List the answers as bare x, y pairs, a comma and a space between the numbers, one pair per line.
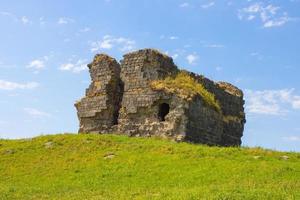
119, 167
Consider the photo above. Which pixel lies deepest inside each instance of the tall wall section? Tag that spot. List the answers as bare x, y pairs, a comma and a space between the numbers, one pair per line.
140, 104
98, 111
232, 106
204, 124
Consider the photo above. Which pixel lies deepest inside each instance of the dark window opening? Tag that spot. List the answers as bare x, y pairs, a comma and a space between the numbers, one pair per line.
164, 109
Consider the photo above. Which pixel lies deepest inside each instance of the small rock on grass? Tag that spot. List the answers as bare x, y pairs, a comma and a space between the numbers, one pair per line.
9, 151
109, 155
49, 145
284, 157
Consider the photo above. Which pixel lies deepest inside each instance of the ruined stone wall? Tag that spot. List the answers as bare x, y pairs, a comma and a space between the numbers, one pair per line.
205, 125
140, 104
98, 111
232, 105
120, 100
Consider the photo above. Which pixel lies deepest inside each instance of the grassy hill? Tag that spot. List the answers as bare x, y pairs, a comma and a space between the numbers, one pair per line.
118, 167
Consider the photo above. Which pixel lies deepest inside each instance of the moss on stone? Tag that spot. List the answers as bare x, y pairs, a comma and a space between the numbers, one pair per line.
186, 87
103, 57
231, 118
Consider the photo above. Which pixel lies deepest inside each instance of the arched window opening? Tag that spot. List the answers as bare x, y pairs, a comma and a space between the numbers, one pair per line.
164, 109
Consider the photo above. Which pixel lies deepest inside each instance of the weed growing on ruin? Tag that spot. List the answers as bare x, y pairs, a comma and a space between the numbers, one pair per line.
186, 87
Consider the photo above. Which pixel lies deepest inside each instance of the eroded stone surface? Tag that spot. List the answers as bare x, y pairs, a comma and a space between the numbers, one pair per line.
98, 111
120, 100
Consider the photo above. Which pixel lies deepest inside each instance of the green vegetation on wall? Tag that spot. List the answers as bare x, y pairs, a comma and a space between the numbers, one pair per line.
186, 87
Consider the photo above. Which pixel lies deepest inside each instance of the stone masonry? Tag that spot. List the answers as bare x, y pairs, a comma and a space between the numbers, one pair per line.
120, 100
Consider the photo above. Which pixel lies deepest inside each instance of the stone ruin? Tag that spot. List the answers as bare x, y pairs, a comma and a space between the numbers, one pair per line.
120, 100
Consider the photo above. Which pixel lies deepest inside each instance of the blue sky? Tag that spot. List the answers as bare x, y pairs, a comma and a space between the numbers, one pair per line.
45, 46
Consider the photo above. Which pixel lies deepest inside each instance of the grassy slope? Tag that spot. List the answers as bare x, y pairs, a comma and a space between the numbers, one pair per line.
76, 167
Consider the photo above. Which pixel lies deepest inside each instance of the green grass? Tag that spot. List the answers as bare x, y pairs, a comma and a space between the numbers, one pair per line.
186, 87
82, 167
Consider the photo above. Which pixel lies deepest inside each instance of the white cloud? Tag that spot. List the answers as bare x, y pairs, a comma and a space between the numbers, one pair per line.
292, 138
296, 102
42, 21
184, 5
219, 68
36, 113
65, 20
173, 38
8, 14
76, 67
214, 46
257, 55
8, 85
269, 15
277, 22
25, 20
271, 102
251, 17
62, 21
3, 13
36, 64
169, 37
84, 30
238, 80
109, 42
192, 58
175, 56
208, 5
